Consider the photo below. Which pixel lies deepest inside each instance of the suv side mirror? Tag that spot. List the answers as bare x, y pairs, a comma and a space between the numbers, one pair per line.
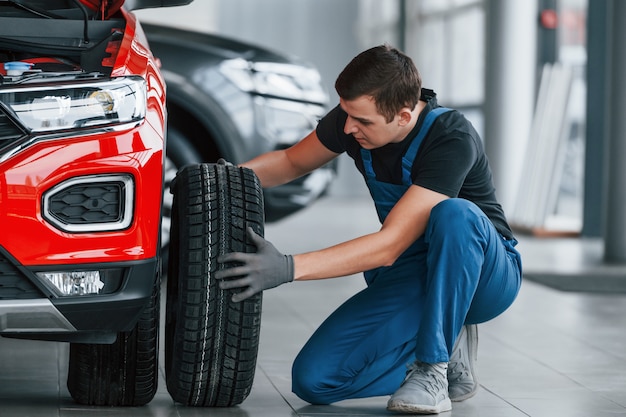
149, 4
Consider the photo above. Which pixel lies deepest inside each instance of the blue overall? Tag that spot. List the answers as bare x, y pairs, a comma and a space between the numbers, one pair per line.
461, 271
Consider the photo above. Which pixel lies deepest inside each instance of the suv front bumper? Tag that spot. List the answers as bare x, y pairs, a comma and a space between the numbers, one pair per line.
30, 308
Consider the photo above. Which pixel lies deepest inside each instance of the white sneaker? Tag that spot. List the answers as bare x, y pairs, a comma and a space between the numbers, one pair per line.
462, 378
424, 390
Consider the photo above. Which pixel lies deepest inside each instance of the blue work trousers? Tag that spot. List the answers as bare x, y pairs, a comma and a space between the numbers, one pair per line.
462, 271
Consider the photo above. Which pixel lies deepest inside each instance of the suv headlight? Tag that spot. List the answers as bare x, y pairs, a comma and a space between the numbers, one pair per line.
289, 81
46, 108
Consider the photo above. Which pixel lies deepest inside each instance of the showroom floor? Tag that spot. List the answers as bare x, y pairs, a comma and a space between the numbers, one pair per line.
553, 353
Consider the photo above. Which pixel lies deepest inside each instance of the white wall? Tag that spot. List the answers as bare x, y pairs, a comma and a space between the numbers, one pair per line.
200, 15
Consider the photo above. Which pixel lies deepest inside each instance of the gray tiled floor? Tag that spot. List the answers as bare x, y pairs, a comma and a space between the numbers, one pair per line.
551, 354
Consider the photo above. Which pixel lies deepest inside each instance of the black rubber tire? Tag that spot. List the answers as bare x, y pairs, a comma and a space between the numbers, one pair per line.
211, 342
124, 373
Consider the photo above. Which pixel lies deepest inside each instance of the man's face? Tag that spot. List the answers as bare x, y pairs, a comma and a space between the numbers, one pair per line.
369, 127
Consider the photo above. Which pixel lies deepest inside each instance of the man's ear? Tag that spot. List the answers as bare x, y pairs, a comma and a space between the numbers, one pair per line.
405, 116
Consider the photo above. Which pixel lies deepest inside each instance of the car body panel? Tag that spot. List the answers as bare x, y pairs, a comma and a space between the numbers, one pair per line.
28, 175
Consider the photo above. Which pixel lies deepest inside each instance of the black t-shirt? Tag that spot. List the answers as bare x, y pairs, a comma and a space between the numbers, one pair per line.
451, 159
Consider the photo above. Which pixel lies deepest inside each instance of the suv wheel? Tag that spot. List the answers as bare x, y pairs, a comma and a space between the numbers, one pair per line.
124, 373
211, 343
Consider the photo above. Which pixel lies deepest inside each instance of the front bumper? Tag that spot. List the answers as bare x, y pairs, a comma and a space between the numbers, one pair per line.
30, 309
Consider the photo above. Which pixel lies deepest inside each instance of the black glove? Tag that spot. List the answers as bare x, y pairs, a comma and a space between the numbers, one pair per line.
224, 162
267, 268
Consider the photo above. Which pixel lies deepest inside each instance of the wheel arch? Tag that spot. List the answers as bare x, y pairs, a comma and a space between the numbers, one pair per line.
202, 120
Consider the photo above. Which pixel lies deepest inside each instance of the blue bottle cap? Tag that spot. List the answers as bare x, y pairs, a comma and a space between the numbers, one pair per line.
16, 67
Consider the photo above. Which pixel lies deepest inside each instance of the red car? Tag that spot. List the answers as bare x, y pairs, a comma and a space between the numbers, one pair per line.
82, 151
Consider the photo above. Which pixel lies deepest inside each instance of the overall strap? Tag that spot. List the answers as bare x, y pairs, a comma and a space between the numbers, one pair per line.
409, 156
366, 156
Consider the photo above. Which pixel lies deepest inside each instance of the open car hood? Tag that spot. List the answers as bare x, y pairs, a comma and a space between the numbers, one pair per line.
106, 8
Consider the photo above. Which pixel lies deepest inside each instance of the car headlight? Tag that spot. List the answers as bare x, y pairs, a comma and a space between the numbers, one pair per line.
286, 122
44, 108
294, 82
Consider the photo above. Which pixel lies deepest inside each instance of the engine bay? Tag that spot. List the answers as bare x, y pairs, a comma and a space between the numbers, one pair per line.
69, 47
23, 69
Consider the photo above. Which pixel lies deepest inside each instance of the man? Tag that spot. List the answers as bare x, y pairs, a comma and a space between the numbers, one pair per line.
443, 260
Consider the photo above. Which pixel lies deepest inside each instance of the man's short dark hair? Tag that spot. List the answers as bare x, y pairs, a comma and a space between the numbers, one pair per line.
384, 73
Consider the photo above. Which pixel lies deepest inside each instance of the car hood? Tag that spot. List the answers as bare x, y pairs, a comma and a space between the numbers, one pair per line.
106, 8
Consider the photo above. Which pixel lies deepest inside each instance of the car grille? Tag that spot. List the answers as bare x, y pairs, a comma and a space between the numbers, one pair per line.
83, 204
13, 283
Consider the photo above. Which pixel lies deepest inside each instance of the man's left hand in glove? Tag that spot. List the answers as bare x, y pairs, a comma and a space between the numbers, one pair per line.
267, 268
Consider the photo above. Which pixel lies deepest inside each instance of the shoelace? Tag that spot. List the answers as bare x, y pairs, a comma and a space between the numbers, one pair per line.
426, 376
457, 368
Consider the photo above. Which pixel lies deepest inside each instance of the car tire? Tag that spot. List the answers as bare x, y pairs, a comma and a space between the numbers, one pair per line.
124, 373
211, 342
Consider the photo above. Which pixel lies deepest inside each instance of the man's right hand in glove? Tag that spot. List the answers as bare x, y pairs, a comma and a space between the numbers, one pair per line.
255, 272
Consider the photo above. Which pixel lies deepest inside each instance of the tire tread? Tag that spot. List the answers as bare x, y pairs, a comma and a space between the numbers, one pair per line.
211, 342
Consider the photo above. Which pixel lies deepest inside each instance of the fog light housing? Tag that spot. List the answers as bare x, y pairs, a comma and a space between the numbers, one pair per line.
76, 283
92, 203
